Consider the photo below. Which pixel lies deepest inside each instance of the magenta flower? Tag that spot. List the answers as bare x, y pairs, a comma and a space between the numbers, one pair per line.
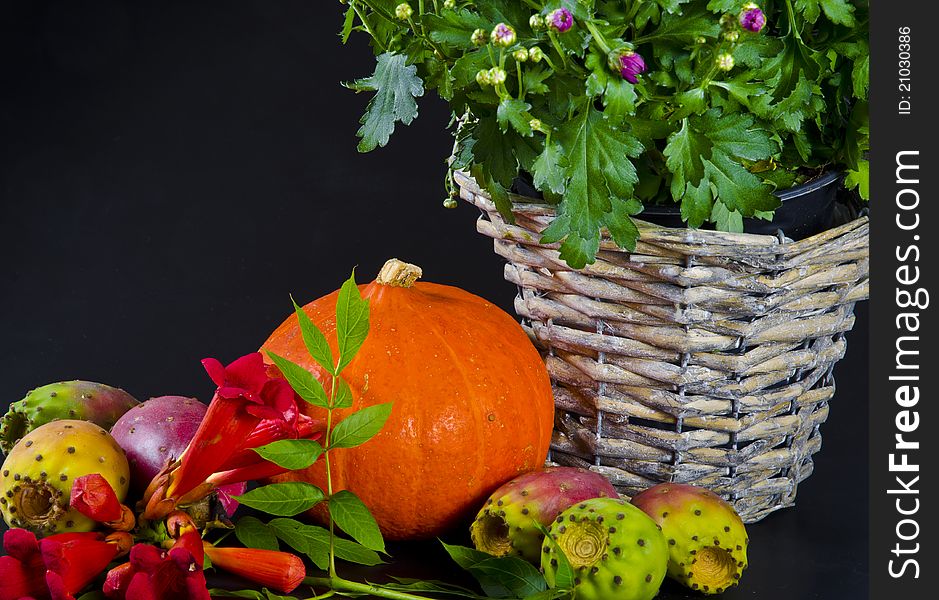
560, 20
631, 65
752, 18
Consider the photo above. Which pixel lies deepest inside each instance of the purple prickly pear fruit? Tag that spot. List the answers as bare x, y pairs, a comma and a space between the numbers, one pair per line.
707, 540
83, 400
615, 550
510, 521
155, 433
37, 475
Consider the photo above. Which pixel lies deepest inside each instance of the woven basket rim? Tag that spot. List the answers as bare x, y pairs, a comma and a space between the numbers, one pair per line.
530, 207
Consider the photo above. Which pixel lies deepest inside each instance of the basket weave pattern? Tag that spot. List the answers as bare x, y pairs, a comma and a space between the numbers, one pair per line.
701, 357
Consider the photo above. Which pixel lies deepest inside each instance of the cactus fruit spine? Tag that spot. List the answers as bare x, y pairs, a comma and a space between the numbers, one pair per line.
616, 551
509, 521
84, 400
36, 477
707, 540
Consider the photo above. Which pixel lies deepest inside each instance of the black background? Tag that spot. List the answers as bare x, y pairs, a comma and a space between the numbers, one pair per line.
171, 171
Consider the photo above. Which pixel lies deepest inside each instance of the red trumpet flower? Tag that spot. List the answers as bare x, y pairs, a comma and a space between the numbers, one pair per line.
94, 497
281, 571
55, 568
250, 408
156, 574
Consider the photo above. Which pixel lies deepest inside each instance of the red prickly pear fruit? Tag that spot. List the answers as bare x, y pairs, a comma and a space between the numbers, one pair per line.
155, 433
81, 400
707, 541
512, 519
616, 552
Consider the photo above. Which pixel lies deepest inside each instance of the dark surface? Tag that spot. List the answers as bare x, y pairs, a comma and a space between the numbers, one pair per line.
170, 171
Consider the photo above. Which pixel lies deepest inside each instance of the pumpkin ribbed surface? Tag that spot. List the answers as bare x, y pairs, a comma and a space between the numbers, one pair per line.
472, 404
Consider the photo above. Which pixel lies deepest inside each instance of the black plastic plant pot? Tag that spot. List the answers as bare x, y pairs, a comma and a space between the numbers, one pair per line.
806, 209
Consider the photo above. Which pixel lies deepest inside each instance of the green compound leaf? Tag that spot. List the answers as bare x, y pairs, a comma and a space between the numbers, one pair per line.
599, 189
396, 85
361, 426
291, 454
353, 517
351, 321
454, 28
302, 381
514, 112
837, 11
313, 541
704, 157
314, 340
253, 533
548, 170
283, 499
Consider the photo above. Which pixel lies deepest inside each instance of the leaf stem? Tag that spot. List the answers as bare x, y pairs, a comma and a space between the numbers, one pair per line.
368, 28
342, 585
521, 86
598, 37
557, 47
329, 475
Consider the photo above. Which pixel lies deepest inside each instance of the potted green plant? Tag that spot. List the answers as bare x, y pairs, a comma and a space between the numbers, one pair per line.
678, 353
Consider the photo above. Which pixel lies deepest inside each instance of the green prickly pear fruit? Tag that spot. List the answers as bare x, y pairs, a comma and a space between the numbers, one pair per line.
85, 400
707, 542
36, 477
615, 550
512, 519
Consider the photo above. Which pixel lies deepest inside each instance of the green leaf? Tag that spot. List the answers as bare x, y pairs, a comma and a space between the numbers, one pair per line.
861, 77
361, 426
302, 381
283, 499
599, 190
291, 454
684, 28
463, 556
564, 572
251, 532
619, 99
468, 558
347, 24
351, 321
722, 6
837, 11
93, 595
353, 517
314, 340
454, 28
343, 397
860, 179
396, 85
405, 584
726, 219
314, 542
514, 574
548, 169
705, 158
533, 78
514, 112
264, 594
493, 151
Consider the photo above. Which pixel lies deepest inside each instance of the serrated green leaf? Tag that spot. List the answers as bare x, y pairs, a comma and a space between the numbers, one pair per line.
601, 180
396, 85
514, 112
454, 28
722, 6
860, 179
282, 499
302, 381
837, 11
726, 219
619, 99
517, 576
253, 533
684, 28
696, 203
360, 426
548, 171
351, 321
314, 340
291, 454
353, 517
861, 76
533, 78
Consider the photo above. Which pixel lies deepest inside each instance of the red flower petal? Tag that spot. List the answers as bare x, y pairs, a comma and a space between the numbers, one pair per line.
94, 497
20, 581
215, 370
77, 560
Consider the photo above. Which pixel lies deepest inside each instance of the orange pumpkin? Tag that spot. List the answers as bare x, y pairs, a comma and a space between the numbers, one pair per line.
472, 401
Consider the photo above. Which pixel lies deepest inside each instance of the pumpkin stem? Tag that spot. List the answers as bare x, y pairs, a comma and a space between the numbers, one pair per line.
397, 273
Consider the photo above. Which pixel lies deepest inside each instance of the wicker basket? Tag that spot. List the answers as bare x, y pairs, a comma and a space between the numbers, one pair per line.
702, 357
